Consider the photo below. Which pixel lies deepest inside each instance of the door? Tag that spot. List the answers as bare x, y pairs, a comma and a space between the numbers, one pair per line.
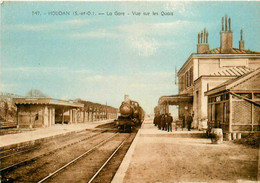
218, 115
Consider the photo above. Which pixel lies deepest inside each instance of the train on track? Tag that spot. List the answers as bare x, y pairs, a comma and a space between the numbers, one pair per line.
131, 116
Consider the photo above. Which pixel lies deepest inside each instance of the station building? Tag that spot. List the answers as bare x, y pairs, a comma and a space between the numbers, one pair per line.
95, 111
45, 112
206, 69
234, 105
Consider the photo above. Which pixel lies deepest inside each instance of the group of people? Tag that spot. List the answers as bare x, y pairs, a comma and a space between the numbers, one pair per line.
163, 121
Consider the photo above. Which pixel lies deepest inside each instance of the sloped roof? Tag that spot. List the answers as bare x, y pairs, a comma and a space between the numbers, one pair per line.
175, 99
235, 51
233, 71
232, 82
46, 101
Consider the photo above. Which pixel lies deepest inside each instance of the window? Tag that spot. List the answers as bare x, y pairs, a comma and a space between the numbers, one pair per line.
181, 83
212, 112
191, 76
227, 96
186, 80
209, 112
257, 95
224, 112
188, 77
246, 95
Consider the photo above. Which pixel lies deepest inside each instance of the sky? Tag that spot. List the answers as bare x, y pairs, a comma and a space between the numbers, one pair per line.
100, 58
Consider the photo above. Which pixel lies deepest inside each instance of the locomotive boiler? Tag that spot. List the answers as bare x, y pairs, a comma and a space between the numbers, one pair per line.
131, 116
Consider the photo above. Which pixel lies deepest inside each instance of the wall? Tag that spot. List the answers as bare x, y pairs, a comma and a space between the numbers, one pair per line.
245, 116
207, 66
33, 116
240, 115
200, 100
254, 63
184, 113
183, 89
210, 65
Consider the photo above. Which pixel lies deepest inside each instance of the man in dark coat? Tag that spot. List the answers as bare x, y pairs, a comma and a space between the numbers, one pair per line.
156, 120
160, 122
165, 122
189, 121
169, 122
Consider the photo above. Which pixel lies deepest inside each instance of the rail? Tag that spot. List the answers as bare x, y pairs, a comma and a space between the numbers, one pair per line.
45, 154
110, 157
74, 160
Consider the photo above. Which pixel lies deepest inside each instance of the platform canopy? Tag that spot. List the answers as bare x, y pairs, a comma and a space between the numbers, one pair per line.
175, 99
47, 101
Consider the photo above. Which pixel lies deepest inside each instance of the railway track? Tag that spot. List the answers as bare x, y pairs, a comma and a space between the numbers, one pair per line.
106, 162
12, 166
16, 151
20, 150
74, 160
54, 165
87, 166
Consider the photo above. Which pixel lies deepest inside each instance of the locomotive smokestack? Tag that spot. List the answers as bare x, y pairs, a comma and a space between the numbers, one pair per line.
126, 97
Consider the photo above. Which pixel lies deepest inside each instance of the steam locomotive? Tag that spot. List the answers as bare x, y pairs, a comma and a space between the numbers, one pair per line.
131, 116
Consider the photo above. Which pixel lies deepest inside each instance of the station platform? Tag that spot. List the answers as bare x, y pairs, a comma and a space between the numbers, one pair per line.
40, 134
184, 156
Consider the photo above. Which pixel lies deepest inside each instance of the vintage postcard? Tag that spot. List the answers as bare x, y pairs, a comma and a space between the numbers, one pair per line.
129, 91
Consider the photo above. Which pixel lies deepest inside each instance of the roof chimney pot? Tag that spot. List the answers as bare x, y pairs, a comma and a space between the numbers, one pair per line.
229, 24
201, 37
226, 37
225, 22
203, 46
222, 23
241, 42
207, 35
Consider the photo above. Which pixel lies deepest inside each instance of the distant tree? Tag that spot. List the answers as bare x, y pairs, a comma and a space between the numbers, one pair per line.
6, 109
36, 93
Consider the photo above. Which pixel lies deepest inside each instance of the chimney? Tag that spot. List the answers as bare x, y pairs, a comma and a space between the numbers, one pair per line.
241, 42
226, 36
203, 46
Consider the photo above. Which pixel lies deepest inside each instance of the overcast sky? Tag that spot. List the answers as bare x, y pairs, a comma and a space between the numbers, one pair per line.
100, 58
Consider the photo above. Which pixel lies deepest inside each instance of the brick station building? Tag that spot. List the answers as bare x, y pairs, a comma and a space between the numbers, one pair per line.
234, 105
207, 69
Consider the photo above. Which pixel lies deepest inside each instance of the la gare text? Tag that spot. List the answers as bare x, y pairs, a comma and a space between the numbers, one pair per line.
107, 13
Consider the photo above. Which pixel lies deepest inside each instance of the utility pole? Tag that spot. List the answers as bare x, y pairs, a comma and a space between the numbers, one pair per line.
175, 73
106, 109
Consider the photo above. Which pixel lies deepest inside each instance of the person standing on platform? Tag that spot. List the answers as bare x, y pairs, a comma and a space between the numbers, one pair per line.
169, 122
160, 122
156, 120
189, 121
164, 122
183, 122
